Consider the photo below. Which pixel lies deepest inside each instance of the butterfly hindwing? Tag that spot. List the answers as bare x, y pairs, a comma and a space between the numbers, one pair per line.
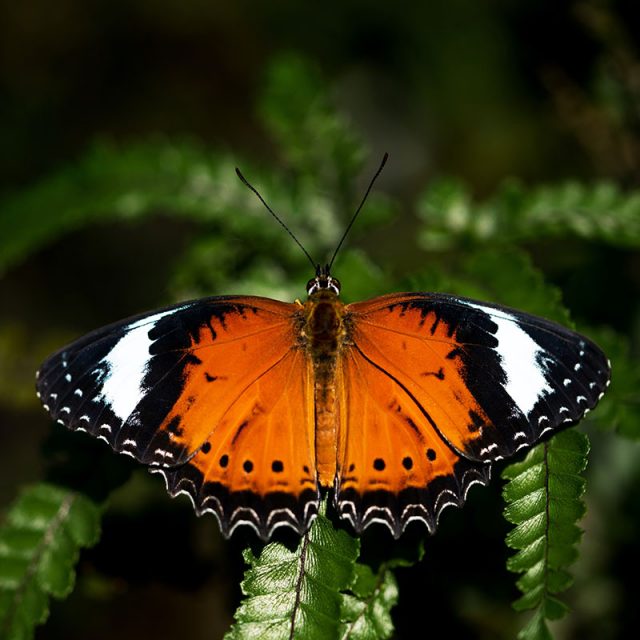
197, 391
257, 467
449, 385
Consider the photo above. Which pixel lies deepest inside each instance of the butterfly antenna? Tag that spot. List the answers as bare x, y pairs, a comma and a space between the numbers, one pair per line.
355, 215
270, 210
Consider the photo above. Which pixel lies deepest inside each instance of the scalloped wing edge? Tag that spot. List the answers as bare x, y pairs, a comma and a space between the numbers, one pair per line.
232, 509
413, 504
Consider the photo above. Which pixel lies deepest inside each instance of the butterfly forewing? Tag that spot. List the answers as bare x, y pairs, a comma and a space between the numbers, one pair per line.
214, 394
438, 387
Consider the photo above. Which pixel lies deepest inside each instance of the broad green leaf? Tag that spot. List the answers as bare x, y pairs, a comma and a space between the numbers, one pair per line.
39, 547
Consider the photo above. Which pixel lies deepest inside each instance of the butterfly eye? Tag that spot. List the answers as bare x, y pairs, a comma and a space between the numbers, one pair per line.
323, 282
312, 286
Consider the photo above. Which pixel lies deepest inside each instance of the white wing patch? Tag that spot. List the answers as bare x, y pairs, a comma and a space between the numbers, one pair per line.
521, 359
126, 366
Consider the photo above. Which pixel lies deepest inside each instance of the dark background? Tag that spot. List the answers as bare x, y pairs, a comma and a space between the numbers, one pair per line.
537, 89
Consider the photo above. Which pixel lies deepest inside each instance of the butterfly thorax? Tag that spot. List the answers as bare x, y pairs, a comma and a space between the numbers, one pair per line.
325, 332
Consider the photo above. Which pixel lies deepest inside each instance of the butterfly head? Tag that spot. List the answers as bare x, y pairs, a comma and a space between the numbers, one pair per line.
323, 281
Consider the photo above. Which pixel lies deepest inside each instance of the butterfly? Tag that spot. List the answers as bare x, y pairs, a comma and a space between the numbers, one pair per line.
254, 408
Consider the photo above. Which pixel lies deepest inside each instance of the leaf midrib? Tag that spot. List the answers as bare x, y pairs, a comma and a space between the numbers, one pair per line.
298, 587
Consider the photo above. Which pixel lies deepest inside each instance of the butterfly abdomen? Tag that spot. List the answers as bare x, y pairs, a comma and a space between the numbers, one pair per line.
325, 333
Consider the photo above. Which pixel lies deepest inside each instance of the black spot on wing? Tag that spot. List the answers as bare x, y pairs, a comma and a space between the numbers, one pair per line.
436, 374
174, 426
475, 421
456, 352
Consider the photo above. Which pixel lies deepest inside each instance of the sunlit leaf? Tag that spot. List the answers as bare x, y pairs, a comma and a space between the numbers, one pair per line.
297, 594
544, 500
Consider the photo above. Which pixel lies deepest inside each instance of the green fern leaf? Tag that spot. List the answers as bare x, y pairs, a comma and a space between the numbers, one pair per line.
536, 628
544, 501
366, 606
366, 610
297, 594
39, 546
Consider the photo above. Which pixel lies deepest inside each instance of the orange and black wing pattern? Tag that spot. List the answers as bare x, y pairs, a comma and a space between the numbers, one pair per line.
406, 398
213, 394
434, 388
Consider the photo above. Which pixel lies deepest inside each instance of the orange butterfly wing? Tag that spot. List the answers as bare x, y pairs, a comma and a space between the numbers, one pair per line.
434, 388
393, 464
257, 466
401, 402
213, 394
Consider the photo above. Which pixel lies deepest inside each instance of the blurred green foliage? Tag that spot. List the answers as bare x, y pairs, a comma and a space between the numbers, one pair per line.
92, 231
39, 546
516, 214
